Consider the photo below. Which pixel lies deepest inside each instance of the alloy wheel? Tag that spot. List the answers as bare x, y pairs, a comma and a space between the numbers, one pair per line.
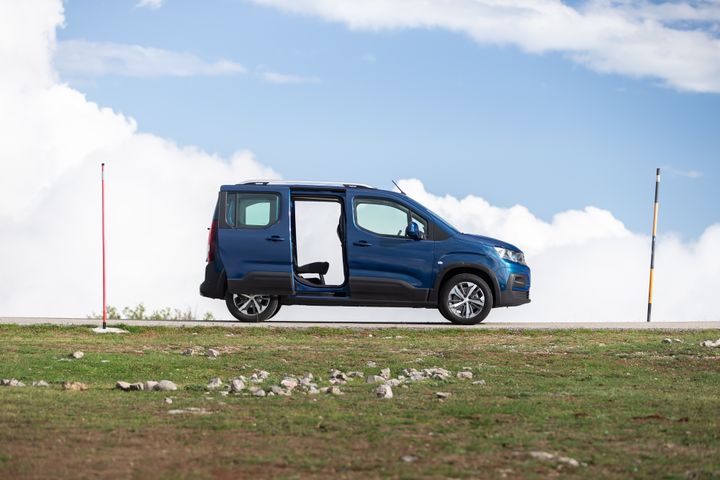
466, 300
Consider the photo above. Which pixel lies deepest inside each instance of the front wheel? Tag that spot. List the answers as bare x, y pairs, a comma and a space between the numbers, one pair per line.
252, 308
465, 299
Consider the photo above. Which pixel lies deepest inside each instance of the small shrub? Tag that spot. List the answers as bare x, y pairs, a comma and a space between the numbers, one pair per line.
139, 312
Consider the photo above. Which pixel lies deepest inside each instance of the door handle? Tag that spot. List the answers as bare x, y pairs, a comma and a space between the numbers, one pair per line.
275, 238
362, 243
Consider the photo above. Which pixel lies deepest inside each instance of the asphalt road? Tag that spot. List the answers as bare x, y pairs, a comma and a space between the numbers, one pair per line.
369, 325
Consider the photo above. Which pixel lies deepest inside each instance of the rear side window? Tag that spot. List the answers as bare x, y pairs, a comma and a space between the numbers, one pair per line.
251, 210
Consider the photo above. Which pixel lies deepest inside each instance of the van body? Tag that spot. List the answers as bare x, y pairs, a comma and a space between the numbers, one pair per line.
395, 253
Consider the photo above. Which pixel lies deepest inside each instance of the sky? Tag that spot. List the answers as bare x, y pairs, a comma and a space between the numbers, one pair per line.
382, 98
537, 122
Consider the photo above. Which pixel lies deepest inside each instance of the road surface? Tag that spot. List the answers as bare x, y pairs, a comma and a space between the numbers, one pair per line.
367, 325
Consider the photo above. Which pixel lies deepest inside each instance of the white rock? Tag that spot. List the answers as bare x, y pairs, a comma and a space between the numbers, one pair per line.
259, 376
338, 376
77, 355
442, 395
76, 386
384, 391
355, 374
212, 353
333, 390
289, 382
710, 343
168, 400
374, 379
408, 458
549, 457
278, 390
438, 373
370, 363
385, 373
124, 386
258, 392
189, 352
479, 382
313, 390
214, 384
194, 410
237, 385
12, 382
393, 382
465, 375
165, 386
40, 383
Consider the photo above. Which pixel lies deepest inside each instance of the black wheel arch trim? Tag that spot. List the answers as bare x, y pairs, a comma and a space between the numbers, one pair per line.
464, 267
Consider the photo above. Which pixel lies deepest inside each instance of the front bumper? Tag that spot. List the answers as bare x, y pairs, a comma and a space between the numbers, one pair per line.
517, 291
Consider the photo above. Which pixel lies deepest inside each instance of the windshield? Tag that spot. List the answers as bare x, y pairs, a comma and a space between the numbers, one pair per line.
435, 216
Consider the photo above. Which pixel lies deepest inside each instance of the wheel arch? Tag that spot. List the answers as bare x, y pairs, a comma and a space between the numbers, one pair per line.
480, 270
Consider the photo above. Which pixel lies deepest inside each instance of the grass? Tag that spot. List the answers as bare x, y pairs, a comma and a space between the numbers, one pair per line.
622, 403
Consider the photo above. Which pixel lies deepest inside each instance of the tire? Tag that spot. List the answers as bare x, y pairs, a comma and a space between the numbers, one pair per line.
259, 308
275, 312
465, 299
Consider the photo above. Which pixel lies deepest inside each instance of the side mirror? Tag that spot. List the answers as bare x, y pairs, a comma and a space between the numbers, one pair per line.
413, 231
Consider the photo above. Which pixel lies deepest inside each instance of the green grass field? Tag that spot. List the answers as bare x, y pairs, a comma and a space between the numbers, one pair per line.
622, 403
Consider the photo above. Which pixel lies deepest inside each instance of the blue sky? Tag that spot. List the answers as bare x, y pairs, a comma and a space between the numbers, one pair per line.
369, 105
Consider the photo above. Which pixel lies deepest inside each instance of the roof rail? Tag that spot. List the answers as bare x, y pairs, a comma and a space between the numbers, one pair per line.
306, 183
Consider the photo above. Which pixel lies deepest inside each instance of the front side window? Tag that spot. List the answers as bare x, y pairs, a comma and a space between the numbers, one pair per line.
254, 210
385, 217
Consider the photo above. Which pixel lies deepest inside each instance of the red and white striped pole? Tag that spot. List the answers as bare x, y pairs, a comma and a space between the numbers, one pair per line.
102, 181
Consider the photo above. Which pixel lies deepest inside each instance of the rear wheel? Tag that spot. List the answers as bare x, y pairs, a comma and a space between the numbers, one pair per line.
252, 308
465, 299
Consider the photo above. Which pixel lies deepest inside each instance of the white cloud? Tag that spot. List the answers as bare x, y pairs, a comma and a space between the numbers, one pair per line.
85, 59
694, 174
159, 196
284, 79
629, 37
151, 4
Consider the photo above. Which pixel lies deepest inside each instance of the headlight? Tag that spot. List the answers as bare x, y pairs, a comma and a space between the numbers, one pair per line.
512, 255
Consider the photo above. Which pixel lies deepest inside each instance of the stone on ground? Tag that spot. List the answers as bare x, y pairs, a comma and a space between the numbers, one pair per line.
124, 386
465, 375
109, 330
165, 386
214, 383
75, 386
384, 391
237, 385
212, 353
442, 395
77, 355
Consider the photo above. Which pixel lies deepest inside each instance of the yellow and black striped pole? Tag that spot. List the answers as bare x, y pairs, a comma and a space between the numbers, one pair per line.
652, 251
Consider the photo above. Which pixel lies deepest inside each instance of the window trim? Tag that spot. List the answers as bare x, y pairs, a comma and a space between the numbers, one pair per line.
381, 201
278, 208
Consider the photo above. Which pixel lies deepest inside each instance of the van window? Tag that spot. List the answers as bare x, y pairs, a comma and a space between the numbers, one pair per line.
254, 210
385, 217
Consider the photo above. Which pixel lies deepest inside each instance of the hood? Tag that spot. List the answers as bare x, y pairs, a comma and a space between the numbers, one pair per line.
493, 242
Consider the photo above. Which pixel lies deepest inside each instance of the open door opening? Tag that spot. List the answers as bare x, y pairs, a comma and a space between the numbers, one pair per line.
318, 241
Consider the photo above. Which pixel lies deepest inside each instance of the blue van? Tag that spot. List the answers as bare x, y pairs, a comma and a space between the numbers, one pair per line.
393, 253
